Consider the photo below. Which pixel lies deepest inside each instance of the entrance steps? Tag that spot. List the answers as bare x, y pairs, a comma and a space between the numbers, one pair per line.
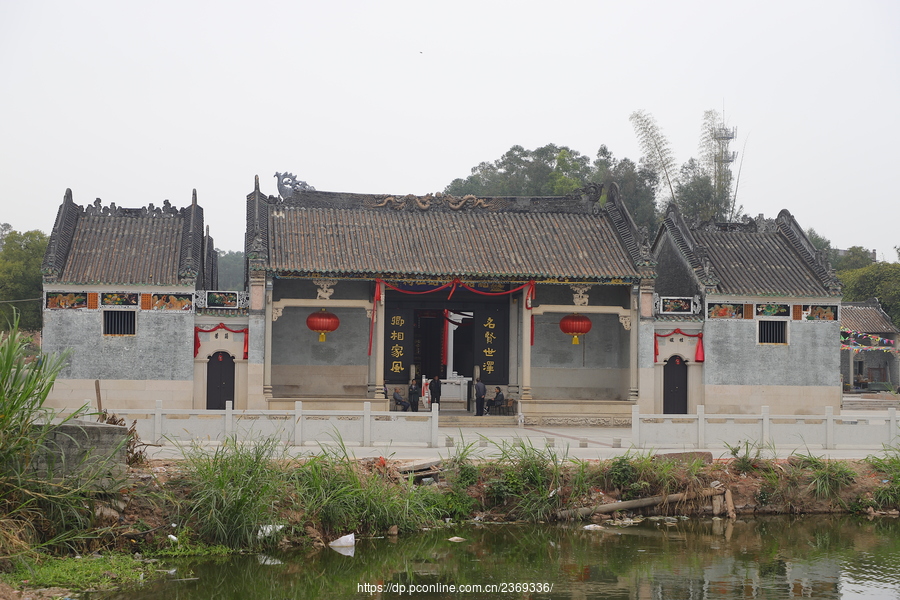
461, 418
863, 403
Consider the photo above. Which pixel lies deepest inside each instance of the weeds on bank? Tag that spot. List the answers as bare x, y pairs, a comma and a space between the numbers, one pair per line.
888, 466
233, 491
237, 491
44, 503
827, 477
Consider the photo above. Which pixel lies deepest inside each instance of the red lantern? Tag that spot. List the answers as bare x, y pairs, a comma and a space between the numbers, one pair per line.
322, 322
575, 325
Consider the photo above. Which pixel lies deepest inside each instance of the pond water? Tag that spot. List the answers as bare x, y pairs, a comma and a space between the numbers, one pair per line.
779, 557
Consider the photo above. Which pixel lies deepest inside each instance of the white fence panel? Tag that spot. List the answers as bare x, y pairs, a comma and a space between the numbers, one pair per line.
298, 427
813, 431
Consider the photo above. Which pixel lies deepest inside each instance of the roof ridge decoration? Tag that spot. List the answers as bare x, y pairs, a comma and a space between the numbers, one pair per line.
696, 254
166, 210
411, 201
61, 238
812, 256
634, 240
289, 186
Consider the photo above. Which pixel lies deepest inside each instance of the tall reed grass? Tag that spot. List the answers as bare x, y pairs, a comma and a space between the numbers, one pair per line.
42, 503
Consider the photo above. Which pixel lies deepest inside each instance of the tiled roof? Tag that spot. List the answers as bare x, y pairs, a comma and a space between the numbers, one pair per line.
124, 250
866, 317
128, 246
758, 258
425, 237
764, 264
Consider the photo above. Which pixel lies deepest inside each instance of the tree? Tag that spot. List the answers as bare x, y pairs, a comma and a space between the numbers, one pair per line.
696, 193
702, 189
231, 270
855, 257
4, 229
637, 185
550, 170
820, 242
878, 280
21, 284
657, 154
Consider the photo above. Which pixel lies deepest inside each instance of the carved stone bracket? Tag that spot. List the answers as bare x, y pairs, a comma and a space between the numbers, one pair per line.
326, 288
580, 296
625, 321
277, 311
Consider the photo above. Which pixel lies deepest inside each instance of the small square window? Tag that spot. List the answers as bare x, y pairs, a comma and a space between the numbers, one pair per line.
118, 322
772, 332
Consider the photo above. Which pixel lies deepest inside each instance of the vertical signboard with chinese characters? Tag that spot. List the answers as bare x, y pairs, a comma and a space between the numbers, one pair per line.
398, 344
491, 340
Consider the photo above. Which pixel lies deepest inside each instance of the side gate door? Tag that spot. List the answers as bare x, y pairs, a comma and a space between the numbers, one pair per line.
675, 398
219, 381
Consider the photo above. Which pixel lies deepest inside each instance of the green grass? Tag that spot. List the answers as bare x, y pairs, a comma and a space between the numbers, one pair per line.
89, 573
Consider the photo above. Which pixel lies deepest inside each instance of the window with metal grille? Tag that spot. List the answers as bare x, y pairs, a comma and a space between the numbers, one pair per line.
118, 322
773, 332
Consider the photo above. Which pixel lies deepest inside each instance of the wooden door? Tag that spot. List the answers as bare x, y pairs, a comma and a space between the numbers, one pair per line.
219, 381
675, 386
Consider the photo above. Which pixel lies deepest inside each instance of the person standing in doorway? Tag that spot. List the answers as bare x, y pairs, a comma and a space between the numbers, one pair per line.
480, 391
435, 388
413, 396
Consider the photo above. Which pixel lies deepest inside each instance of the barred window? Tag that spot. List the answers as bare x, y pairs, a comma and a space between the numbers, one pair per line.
118, 322
772, 332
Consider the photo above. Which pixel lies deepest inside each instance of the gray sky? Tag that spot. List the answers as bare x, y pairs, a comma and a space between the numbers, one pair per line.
140, 102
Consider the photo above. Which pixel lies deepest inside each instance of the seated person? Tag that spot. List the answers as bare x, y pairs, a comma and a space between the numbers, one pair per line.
498, 400
399, 401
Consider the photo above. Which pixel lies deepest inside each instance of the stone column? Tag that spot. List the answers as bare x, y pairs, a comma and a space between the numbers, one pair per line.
267, 365
378, 343
526, 353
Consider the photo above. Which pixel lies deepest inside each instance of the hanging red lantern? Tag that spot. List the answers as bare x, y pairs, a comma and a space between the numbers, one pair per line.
575, 325
322, 322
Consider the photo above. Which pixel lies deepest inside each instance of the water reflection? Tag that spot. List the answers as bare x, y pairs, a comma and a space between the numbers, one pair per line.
779, 557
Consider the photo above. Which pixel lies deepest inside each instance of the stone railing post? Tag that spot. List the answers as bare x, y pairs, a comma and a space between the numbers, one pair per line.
636, 426
829, 427
298, 423
701, 426
434, 426
157, 423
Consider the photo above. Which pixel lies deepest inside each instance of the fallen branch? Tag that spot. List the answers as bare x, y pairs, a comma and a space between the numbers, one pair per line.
639, 503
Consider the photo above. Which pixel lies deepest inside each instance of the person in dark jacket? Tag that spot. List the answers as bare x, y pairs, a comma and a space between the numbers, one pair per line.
398, 399
480, 392
497, 401
434, 387
413, 395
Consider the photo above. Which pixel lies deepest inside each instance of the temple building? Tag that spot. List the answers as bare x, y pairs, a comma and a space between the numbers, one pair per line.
561, 303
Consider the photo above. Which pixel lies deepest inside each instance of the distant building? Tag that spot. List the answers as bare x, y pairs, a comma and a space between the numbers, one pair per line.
869, 346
